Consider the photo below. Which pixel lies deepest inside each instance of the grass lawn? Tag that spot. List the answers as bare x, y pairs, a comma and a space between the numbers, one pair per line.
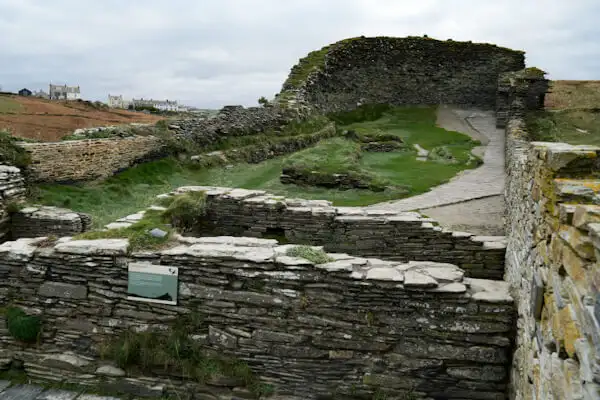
8, 105
578, 126
136, 188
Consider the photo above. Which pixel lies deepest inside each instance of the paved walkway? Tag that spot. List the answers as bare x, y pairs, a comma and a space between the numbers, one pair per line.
34, 392
485, 181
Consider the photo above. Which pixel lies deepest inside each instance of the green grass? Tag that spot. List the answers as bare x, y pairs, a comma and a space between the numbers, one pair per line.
316, 256
136, 188
8, 105
579, 126
10, 152
137, 234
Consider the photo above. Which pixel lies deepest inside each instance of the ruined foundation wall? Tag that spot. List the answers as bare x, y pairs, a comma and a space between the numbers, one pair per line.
355, 230
12, 190
87, 159
352, 326
553, 212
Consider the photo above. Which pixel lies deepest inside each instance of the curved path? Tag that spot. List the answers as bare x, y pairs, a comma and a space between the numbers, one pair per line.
483, 186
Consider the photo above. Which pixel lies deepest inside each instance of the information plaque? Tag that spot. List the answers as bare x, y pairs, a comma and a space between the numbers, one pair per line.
152, 283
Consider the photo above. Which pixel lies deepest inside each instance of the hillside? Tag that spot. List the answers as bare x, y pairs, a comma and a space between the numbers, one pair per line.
573, 94
46, 120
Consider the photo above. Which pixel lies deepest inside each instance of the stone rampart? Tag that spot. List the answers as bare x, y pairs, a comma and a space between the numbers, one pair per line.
400, 71
88, 159
349, 327
31, 222
12, 190
234, 121
553, 210
356, 230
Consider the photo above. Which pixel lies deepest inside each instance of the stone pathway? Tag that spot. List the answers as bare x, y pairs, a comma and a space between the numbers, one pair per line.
35, 392
485, 181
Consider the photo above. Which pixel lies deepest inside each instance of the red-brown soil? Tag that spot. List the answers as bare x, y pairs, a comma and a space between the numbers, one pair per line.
48, 121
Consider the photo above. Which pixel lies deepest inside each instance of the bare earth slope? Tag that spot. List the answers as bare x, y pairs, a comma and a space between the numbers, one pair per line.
573, 94
46, 120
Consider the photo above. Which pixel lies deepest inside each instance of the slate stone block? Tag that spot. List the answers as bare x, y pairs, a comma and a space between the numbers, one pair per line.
62, 290
537, 296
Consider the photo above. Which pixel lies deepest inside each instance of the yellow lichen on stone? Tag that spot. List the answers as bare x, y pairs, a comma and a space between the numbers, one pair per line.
570, 329
575, 267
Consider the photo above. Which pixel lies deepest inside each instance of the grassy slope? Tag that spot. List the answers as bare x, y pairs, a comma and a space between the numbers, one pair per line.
135, 188
572, 114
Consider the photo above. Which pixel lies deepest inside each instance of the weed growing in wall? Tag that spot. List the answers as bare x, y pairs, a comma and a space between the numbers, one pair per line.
174, 352
21, 326
186, 211
316, 256
10, 152
137, 234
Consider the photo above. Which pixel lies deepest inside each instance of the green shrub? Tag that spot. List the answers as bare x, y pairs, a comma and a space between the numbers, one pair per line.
11, 153
316, 256
21, 326
187, 210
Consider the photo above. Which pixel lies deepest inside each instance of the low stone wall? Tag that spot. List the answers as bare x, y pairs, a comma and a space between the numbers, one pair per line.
88, 159
553, 211
12, 190
356, 230
308, 177
235, 121
350, 327
31, 222
264, 151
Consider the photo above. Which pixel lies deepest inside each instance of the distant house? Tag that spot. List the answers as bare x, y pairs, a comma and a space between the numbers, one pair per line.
25, 92
64, 92
117, 102
162, 105
41, 94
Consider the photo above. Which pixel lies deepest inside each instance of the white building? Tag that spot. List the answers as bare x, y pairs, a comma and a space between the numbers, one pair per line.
162, 105
117, 102
64, 92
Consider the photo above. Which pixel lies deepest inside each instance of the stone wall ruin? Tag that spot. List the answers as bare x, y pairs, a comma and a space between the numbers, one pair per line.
402, 71
398, 236
349, 327
12, 191
552, 219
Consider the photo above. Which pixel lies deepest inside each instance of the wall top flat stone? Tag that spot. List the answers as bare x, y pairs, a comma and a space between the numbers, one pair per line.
413, 275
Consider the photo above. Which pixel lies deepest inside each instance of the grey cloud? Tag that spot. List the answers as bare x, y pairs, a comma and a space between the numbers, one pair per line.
210, 53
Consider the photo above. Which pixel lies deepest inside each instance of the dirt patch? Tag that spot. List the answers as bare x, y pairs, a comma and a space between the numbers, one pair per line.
48, 121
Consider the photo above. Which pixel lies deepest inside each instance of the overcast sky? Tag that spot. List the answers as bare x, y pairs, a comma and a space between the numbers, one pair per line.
211, 53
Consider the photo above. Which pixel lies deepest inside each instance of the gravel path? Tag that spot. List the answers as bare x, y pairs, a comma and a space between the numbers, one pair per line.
485, 181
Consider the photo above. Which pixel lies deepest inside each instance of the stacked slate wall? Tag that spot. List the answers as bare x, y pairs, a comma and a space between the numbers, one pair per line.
352, 326
355, 230
403, 71
12, 191
553, 211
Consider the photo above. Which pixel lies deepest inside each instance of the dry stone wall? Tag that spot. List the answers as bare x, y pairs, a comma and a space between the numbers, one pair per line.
88, 159
356, 230
553, 210
31, 222
404, 71
352, 326
12, 190
235, 121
